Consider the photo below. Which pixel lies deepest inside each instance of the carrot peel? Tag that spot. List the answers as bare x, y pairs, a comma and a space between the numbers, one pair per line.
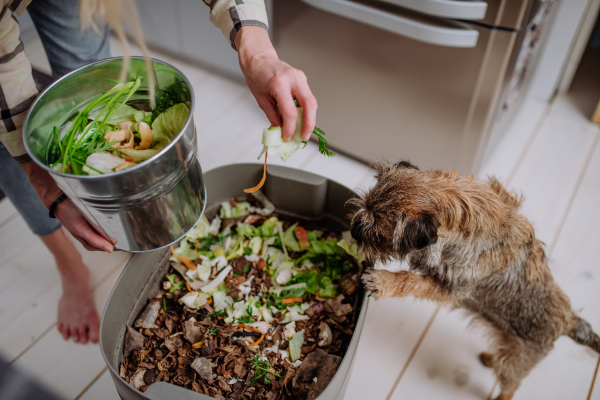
186, 261
262, 181
292, 300
262, 335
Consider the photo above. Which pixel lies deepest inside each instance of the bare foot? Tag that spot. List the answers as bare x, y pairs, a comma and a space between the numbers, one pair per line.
77, 315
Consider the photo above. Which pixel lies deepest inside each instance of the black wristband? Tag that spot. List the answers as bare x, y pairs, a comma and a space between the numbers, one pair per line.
54, 204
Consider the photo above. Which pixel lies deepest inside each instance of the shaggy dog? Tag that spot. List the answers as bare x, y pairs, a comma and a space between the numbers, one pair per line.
466, 245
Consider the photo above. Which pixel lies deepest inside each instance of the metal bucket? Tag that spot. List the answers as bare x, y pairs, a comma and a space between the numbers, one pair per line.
148, 206
302, 194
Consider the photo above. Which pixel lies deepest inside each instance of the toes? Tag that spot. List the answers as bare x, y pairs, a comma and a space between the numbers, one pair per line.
371, 281
64, 331
74, 335
82, 333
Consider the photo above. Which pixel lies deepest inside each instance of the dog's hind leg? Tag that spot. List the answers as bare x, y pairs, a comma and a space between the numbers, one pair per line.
513, 361
384, 284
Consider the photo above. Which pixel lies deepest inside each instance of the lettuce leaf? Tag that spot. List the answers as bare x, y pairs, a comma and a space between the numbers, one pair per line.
169, 123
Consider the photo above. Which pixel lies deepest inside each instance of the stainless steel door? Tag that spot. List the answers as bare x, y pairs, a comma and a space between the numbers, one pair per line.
382, 95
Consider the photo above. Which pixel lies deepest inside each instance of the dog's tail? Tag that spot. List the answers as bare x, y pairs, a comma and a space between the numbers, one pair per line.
582, 333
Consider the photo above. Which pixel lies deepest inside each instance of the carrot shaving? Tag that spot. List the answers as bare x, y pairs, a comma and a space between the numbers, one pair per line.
262, 335
262, 181
258, 341
188, 286
209, 301
186, 261
197, 345
292, 300
249, 328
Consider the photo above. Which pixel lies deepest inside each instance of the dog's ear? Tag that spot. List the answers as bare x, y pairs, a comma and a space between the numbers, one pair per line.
405, 164
418, 232
381, 167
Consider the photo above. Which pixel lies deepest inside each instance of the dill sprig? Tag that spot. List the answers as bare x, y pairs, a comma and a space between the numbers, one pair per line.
323, 143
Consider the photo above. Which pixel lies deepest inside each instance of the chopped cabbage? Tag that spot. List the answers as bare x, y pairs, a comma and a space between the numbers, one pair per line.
103, 162
349, 244
203, 270
194, 300
241, 209
296, 343
218, 279
268, 207
255, 244
290, 239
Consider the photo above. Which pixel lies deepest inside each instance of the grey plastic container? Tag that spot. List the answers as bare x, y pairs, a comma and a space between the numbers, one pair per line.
306, 195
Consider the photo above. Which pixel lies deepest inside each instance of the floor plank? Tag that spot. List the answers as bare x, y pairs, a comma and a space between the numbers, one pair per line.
7, 211
569, 369
102, 389
509, 150
63, 366
392, 329
549, 172
35, 313
446, 365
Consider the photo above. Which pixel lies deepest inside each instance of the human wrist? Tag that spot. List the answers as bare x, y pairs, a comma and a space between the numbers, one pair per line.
45, 186
253, 42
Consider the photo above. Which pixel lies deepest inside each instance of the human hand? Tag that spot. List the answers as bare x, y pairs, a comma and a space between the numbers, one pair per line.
274, 83
66, 211
74, 221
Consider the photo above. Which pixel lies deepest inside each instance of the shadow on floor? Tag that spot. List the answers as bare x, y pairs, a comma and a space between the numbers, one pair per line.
585, 89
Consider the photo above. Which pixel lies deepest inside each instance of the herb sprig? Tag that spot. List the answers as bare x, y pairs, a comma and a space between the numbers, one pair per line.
262, 370
323, 143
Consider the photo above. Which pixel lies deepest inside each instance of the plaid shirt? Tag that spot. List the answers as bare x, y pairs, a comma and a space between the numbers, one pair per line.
18, 91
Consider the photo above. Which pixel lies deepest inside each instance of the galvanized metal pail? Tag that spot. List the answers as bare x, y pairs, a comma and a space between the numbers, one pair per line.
148, 206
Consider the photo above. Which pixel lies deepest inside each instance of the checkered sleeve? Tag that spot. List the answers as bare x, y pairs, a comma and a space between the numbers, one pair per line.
17, 89
231, 15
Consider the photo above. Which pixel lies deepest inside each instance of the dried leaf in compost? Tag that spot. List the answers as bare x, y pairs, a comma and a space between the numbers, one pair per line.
147, 318
173, 342
204, 368
137, 379
133, 341
193, 333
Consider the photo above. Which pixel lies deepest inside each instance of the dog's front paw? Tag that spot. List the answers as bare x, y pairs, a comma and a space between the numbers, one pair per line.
378, 282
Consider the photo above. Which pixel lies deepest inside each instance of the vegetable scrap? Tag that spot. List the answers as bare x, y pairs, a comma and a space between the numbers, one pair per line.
112, 133
238, 331
273, 143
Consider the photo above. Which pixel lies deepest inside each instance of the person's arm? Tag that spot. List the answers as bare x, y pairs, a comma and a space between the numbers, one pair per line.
273, 82
66, 211
17, 94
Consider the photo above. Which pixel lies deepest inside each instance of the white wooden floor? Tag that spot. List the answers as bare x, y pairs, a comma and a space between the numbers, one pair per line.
409, 349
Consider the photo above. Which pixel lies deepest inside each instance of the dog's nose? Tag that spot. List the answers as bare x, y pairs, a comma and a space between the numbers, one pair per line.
356, 230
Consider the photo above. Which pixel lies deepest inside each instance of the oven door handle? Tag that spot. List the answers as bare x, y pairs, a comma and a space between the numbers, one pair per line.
471, 10
404, 26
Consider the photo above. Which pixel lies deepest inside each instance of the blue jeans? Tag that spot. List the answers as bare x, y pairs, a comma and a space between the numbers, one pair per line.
67, 48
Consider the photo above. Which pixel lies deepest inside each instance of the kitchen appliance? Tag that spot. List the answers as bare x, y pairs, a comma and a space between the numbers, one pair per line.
431, 81
301, 194
145, 207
